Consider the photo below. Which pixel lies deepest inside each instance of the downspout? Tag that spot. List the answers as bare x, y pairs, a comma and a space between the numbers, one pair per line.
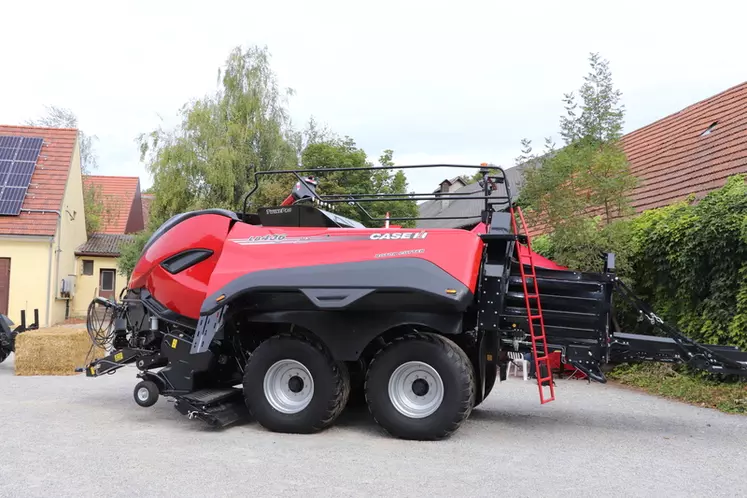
49, 273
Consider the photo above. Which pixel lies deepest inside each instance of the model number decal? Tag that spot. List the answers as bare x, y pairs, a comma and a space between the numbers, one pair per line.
398, 235
259, 239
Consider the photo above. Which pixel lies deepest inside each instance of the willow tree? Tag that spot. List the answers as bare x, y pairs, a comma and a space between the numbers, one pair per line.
209, 159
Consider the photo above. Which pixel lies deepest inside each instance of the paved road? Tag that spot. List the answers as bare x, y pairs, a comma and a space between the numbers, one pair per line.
73, 436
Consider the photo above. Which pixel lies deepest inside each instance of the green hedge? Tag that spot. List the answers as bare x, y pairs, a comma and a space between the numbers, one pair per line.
689, 261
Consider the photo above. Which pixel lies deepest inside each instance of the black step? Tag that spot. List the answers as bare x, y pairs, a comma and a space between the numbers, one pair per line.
226, 413
211, 396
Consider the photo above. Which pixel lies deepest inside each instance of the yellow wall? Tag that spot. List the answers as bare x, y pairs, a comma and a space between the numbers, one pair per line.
87, 286
71, 234
29, 275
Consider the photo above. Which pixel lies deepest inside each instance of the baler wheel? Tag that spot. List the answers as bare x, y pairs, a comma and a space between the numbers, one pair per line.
146, 393
293, 385
420, 386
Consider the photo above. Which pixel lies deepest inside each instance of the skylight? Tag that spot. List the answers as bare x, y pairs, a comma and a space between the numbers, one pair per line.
709, 129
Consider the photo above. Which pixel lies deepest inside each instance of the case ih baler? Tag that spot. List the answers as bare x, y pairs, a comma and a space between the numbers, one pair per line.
291, 310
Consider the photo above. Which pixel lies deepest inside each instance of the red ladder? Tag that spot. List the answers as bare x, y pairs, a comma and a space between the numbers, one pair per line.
540, 339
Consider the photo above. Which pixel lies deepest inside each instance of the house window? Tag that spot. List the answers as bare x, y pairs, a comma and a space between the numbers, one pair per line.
87, 267
107, 280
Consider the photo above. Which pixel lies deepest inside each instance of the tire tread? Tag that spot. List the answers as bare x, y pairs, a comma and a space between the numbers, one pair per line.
341, 379
459, 358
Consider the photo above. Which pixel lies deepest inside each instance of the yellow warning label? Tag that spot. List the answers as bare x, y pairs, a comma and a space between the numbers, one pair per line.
173, 343
93, 371
118, 357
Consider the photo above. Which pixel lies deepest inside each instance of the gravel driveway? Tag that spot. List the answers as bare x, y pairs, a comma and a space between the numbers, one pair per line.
73, 436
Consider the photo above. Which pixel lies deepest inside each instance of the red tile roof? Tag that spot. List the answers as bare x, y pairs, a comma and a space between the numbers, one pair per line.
47, 187
118, 193
672, 159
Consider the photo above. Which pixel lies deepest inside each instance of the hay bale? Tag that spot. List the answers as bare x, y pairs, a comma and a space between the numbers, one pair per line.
54, 351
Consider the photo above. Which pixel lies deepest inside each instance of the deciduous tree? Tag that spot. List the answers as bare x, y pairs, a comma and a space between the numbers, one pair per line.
581, 189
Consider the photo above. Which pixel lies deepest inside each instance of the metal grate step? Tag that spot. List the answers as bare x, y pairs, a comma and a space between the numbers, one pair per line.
211, 396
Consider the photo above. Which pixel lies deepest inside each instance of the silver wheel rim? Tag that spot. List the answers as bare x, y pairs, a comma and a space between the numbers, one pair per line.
415, 389
143, 394
288, 386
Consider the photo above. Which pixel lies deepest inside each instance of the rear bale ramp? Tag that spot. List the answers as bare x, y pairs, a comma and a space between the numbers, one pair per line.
54, 351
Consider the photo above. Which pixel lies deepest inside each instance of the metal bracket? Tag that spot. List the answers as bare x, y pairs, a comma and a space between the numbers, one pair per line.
207, 328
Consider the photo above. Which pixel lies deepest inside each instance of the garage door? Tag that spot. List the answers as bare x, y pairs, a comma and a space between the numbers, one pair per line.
4, 284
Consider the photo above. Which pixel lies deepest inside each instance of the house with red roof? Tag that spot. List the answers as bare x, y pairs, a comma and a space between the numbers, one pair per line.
691, 152
42, 221
121, 204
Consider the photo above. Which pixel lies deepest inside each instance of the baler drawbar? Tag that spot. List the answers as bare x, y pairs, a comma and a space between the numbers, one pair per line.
292, 312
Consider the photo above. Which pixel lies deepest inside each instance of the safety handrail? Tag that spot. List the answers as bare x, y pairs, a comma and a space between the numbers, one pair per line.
488, 184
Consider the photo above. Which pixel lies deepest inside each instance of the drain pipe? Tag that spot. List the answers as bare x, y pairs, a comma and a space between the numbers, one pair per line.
51, 245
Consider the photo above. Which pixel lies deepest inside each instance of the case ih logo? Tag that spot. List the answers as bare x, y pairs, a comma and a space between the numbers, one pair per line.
398, 235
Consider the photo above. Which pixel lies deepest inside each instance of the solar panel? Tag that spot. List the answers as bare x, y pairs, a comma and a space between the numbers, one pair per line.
18, 157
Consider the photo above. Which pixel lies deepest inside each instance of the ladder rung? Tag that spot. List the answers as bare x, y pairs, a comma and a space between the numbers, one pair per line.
534, 317
532, 296
539, 337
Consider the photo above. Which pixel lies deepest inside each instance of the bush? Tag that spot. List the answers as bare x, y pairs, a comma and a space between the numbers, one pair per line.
689, 262
130, 252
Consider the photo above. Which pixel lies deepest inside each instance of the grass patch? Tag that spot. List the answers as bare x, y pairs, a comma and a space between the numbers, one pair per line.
676, 382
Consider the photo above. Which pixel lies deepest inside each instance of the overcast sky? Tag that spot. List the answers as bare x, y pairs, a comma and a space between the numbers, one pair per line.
452, 82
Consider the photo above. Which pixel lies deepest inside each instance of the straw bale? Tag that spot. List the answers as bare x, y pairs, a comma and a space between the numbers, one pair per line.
54, 351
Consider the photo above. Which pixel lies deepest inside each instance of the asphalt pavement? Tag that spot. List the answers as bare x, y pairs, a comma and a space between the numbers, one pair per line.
80, 437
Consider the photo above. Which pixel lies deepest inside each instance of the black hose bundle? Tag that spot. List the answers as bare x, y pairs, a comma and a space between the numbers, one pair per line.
99, 323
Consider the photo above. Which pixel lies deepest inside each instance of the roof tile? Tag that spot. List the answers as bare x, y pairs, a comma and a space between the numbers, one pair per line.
672, 159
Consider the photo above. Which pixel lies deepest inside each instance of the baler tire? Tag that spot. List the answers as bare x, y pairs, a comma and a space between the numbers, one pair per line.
455, 373
330, 388
152, 391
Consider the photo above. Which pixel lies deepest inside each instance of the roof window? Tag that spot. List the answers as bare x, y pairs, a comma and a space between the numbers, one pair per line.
709, 129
